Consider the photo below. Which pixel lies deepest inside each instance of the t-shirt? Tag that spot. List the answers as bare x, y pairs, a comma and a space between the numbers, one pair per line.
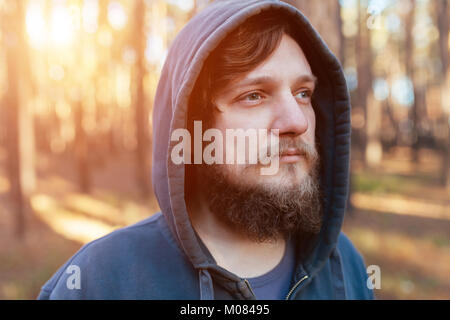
275, 284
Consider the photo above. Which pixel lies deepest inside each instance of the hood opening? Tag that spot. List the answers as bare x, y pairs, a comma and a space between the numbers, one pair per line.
331, 103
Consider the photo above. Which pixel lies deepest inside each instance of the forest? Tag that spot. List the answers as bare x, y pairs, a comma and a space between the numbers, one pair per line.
77, 82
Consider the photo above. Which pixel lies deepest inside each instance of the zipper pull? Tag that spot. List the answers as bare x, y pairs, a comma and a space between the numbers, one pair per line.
249, 287
295, 286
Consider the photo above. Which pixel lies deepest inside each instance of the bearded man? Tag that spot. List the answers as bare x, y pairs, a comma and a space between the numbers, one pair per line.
226, 231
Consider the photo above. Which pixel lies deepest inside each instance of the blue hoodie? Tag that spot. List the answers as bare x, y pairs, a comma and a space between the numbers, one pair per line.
162, 257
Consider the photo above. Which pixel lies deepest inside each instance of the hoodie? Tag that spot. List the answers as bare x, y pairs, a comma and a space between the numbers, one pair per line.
162, 257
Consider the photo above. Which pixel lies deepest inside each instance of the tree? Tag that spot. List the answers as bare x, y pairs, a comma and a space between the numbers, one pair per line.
442, 12
20, 137
141, 112
319, 13
364, 99
409, 66
81, 143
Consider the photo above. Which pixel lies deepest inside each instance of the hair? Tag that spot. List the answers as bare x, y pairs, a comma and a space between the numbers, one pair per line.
241, 51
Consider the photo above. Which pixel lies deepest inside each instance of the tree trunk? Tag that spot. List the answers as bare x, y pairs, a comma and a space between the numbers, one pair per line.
81, 137
141, 112
409, 66
319, 13
81, 149
442, 12
20, 135
364, 100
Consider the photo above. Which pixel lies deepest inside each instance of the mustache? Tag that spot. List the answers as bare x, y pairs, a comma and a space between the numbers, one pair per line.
291, 144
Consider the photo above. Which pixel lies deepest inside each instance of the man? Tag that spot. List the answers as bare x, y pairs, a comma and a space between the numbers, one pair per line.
225, 230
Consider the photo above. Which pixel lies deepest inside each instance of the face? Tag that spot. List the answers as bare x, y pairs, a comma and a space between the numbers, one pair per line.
274, 95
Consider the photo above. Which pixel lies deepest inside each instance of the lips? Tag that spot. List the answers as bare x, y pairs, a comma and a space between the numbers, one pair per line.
291, 155
292, 152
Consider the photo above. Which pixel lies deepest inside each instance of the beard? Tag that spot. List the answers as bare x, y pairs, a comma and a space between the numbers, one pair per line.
264, 212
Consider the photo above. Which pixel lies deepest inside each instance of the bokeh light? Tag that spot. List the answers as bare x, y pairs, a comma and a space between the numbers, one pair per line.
381, 89
116, 15
403, 91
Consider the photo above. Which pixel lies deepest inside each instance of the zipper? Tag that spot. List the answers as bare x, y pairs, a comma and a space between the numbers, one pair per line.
295, 286
249, 287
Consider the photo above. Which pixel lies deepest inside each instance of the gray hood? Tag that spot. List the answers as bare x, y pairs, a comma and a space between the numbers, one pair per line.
184, 62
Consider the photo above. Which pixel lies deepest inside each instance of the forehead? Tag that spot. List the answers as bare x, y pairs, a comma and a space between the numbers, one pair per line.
288, 60
287, 56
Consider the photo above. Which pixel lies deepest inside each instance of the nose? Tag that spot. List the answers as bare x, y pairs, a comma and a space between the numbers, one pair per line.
289, 117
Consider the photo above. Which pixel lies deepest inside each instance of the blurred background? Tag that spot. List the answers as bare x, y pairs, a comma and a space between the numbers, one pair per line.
77, 81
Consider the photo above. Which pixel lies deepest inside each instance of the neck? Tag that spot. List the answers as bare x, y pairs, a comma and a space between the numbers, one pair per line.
231, 249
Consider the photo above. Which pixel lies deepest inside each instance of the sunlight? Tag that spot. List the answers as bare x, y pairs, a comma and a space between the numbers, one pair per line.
62, 26
403, 250
56, 72
66, 223
95, 208
401, 205
185, 5
35, 26
155, 52
90, 13
116, 15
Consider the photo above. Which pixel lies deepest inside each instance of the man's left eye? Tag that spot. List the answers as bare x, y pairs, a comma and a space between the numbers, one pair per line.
306, 94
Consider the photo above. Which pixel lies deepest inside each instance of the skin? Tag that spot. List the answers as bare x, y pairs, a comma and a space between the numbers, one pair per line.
274, 95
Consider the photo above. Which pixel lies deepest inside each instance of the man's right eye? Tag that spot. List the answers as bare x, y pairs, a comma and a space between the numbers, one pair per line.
254, 96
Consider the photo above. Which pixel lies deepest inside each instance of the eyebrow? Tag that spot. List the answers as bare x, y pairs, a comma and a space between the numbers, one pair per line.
267, 79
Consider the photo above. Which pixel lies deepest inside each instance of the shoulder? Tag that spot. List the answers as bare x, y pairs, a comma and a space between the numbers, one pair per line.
354, 268
350, 256
346, 247
123, 241
116, 263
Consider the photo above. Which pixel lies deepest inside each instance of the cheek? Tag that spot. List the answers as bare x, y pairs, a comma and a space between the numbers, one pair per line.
312, 125
239, 118
245, 120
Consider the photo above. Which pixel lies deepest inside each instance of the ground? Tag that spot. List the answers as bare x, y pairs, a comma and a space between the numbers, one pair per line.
400, 222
